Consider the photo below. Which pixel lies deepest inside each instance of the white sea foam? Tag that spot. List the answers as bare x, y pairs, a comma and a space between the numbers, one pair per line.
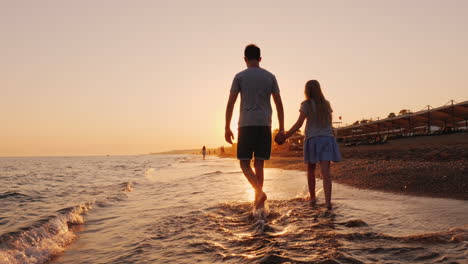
149, 173
43, 240
127, 187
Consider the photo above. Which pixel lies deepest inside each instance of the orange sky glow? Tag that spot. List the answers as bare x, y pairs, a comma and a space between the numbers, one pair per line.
134, 77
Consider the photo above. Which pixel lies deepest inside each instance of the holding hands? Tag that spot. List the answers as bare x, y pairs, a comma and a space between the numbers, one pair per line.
280, 138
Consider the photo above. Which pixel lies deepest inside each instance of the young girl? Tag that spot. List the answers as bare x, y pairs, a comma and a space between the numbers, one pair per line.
320, 145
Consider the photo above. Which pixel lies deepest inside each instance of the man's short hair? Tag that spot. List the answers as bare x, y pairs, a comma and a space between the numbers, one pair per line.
252, 52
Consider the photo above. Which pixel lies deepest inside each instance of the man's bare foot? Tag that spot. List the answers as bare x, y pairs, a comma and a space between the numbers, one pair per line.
313, 201
329, 206
260, 200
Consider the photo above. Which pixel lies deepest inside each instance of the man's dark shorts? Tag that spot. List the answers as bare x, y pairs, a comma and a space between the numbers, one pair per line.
254, 140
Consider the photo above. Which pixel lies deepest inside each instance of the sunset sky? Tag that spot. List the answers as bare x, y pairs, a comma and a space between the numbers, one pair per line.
133, 77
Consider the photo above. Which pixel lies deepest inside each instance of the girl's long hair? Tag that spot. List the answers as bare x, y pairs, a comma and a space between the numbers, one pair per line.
314, 92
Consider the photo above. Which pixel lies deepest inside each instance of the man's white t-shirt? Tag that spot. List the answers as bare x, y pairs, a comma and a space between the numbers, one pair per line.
255, 86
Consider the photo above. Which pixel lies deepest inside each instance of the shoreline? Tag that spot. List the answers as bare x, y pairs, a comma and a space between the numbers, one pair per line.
433, 166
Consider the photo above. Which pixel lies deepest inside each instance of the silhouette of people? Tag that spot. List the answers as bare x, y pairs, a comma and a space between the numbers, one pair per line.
320, 145
256, 86
204, 152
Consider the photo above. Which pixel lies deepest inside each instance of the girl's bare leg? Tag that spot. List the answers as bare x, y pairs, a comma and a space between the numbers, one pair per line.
327, 184
311, 182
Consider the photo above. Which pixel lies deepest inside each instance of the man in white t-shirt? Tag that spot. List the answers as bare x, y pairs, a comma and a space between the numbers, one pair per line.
256, 86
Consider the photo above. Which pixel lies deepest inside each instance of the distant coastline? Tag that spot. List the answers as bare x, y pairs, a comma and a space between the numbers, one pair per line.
177, 152
210, 151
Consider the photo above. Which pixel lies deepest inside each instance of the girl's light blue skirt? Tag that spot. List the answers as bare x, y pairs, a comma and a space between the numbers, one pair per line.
322, 148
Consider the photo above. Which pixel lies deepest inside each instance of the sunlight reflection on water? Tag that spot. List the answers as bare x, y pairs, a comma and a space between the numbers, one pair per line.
181, 209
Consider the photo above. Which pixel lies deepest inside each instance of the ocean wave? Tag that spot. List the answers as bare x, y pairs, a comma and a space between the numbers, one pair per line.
292, 231
220, 172
459, 234
212, 173
149, 173
119, 192
208, 175
11, 195
233, 232
9, 168
126, 186
39, 242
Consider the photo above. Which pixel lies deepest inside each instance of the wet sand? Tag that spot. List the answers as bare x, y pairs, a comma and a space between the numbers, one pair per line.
435, 166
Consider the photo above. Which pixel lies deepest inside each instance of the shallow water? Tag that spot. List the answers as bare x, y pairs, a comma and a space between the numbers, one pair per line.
181, 209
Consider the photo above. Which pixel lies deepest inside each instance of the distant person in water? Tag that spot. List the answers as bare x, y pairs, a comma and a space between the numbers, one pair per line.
320, 146
204, 152
256, 86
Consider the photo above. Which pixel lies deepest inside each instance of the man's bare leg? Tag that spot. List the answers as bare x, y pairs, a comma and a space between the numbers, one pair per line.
258, 164
260, 196
327, 184
311, 182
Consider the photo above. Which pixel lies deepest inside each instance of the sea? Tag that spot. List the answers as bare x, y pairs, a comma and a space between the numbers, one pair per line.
183, 209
